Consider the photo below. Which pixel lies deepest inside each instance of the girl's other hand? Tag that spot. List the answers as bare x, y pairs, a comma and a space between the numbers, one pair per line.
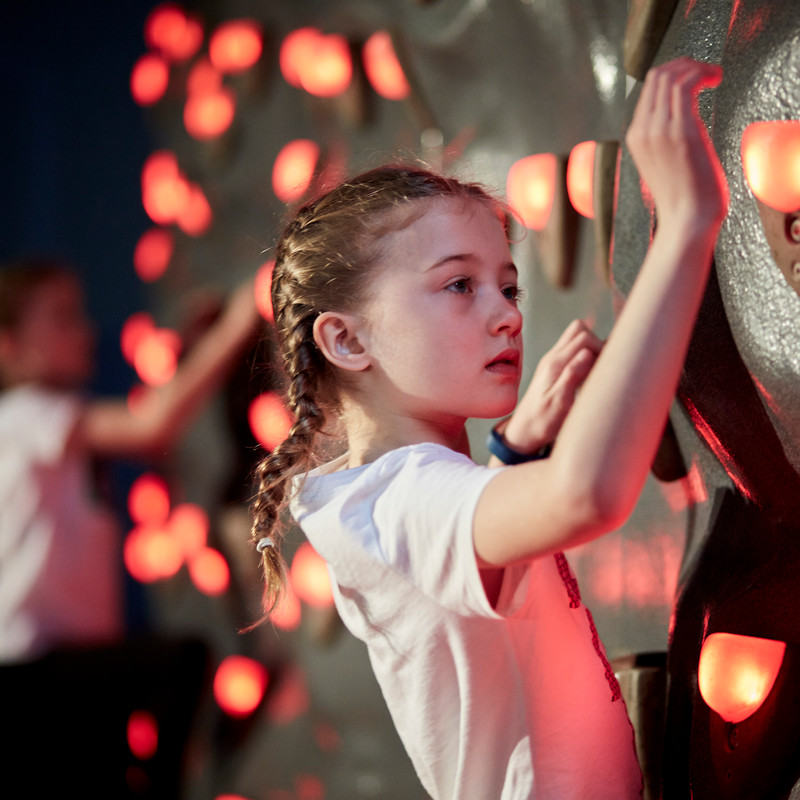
551, 392
671, 147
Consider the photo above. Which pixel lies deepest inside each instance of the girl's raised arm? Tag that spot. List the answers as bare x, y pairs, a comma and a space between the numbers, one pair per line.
604, 451
109, 428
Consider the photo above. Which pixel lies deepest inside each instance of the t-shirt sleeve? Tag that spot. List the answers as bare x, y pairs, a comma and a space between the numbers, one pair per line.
44, 422
424, 518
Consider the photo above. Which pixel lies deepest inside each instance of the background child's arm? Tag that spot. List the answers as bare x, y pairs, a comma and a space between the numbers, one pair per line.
109, 428
592, 480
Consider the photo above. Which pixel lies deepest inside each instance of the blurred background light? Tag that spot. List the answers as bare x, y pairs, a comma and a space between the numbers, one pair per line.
294, 168
142, 734
310, 577
269, 420
236, 45
383, 68
152, 253
149, 79
580, 178
173, 32
239, 685
530, 188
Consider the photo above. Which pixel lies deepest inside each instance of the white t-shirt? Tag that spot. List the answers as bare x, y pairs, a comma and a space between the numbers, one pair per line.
59, 575
511, 703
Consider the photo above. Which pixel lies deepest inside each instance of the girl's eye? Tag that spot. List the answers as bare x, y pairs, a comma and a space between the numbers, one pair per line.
513, 293
461, 286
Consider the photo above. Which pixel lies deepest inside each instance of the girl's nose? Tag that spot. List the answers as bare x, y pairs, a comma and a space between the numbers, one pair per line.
507, 317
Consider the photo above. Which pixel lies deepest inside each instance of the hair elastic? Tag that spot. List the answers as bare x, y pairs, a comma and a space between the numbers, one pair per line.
264, 543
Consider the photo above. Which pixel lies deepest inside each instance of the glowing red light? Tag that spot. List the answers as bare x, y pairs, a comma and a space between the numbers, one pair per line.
143, 735
188, 524
152, 253
293, 169
151, 554
530, 187
239, 685
580, 178
263, 289
134, 329
156, 356
318, 63
165, 190
209, 571
309, 787
771, 161
203, 77
310, 577
236, 45
383, 68
289, 698
208, 114
149, 79
269, 420
148, 500
196, 216
176, 34
736, 673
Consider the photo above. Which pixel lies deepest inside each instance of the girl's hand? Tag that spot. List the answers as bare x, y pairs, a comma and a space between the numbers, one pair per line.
551, 392
671, 147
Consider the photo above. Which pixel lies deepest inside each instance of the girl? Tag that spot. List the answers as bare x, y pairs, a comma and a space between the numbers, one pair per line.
395, 302
58, 546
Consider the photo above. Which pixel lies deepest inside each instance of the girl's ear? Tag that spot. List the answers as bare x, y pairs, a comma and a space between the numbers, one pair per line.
337, 337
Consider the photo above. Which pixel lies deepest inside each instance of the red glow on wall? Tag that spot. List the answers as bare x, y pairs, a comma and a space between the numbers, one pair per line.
294, 168
530, 187
736, 673
236, 45
287, 614
208, 114
319, 63
239, 685
263, 290
771, 161
196, 216
188, 524
151, 554
134, 329
310, 577
172, 31
290, 698
269, 420
152, 253
156, 357
580, 178
309, 787
142, 735
149, 79
209, 571
148, 500
165, 190
383, 68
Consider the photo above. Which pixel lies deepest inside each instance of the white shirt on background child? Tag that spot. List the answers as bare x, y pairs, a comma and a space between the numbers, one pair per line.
59, 564
512, 702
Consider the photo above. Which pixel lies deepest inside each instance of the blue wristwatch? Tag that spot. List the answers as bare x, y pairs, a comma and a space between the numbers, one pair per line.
498, 448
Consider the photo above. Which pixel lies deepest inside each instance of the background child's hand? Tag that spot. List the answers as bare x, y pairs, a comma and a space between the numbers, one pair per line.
671, 147
551, 392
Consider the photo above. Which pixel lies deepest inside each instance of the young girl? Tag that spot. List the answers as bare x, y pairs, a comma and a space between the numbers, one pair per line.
59, 547
395, 301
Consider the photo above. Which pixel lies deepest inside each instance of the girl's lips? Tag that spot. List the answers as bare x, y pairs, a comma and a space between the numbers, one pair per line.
506, 362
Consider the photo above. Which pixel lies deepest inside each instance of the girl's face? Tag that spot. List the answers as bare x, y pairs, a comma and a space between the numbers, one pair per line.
52, 343
441, 323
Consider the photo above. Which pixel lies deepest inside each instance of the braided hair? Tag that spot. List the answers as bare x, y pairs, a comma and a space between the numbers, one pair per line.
323, 262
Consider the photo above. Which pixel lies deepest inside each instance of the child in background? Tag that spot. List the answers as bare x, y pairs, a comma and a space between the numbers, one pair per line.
59, 547
395, 299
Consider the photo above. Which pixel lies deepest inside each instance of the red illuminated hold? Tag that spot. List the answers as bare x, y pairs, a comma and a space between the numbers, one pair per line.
236, 45
530, 187
315, 62
239, 685
383, 67
736, 673
771, 161
580, 178
293, 169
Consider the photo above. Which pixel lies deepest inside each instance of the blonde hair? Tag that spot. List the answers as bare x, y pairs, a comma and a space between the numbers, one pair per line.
323, 261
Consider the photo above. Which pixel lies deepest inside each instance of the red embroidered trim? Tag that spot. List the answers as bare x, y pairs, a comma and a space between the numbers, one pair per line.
573, 591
